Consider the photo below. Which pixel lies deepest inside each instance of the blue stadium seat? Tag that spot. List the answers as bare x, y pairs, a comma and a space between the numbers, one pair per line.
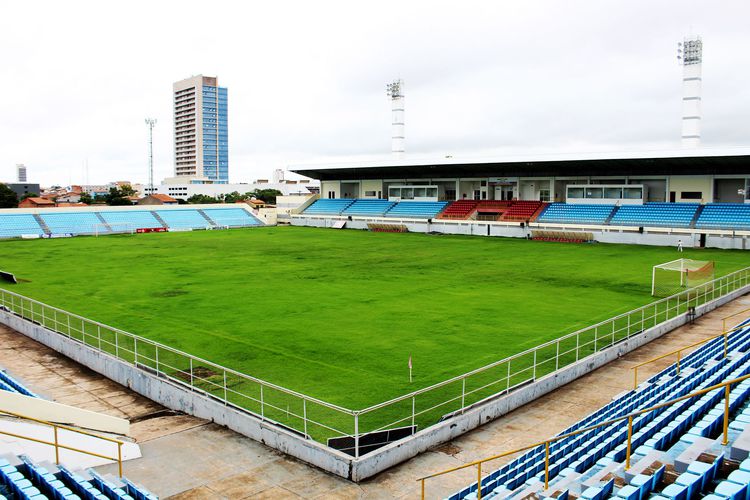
183, 219
328, 206
724, 216
72, 222
368, 208
14, 225
563, 213
655, 214
131, 219
10, 384
231, 216
417, 209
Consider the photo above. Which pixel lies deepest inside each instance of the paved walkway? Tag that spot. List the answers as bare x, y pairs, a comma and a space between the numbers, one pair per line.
189, 458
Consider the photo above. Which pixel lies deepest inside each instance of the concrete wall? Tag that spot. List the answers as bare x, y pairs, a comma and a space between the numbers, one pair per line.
680, 183
326, 186
372, 185
603, 234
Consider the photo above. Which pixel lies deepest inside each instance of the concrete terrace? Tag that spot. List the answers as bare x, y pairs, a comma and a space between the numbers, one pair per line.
188, 458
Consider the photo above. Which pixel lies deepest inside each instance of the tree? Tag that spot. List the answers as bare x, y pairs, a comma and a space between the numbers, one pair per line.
86, 198
28, 195
201, 198
267, 195
8, 197
233, 197
118, 197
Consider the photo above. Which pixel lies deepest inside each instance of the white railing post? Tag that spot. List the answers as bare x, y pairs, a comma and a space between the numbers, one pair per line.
557, 356
191, 373
463, 394
135, 351
413, 407
226, 400
304, 415
356, 435
534, 372
262, 411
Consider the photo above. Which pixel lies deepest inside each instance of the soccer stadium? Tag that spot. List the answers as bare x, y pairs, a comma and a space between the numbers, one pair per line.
519, 325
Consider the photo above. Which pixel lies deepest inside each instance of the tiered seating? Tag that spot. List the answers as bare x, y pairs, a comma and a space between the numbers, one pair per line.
24, 479
668, 436
724, 216
183, 219
133, 218
655, 214
8, 383
14, 225
328, 207
366, 207
459, 209
417, 209
72, 222
522, 210
235, 216
492, 209
575, 214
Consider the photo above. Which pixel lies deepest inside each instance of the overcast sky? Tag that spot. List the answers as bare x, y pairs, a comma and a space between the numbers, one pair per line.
307, 79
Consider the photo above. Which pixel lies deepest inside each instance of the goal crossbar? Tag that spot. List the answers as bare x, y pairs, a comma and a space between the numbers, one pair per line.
688, 270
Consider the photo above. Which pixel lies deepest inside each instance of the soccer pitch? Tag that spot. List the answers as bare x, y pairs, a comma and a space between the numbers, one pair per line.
336, 314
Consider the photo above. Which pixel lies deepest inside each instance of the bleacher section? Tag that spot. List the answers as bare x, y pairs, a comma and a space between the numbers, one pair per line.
522, 211
655, 214
14, 225
328, 206
231, 216
682, 441
131, 218
72, 222
417, 209
23, 479
183, 219
563, 213
459, 209
8, 383
724, 216
367, 207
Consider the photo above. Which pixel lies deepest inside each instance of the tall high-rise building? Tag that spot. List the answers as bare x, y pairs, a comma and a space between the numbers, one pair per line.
201, 148
21, 172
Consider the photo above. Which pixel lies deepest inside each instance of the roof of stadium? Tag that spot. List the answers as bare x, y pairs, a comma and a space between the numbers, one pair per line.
700, 161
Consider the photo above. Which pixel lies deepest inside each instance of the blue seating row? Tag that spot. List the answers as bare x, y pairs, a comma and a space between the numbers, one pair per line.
576, 214
24, 479
8, 383
658, 430
655, 214
105, 221
724, 216
377, 208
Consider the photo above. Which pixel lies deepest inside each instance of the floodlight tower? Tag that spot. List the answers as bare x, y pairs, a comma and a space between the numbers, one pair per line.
150, 122
690, 55
395, 91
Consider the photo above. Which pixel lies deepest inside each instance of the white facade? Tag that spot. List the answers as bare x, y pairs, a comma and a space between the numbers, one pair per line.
186, 190
690, 54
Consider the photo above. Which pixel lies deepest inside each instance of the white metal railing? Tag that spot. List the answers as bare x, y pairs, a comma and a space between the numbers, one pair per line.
319, 420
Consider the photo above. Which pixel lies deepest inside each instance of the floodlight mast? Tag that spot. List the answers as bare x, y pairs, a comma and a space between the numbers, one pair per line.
150, 122
690, 56
395, 91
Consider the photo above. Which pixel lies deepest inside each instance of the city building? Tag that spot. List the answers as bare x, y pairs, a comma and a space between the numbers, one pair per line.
34, 202
173, 187
24, 189
21, 173
201, 147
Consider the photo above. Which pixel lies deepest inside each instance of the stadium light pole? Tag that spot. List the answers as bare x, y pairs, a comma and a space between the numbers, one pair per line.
151, 122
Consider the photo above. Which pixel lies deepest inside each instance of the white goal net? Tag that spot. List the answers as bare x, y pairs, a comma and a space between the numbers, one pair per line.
672, 277
114, 228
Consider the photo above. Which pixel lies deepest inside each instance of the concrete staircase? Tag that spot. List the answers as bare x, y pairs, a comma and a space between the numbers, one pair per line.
161, 221
697, 214
43, 224
208, 219
611, 214
101, 219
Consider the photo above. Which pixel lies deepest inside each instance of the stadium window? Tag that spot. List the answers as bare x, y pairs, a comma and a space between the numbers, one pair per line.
370, 193
691, 195
544, 195
331, 194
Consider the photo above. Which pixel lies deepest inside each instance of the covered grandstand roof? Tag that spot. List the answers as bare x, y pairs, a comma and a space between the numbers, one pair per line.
727, 161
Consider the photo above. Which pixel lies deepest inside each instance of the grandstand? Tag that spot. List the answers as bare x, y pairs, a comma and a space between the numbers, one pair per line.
591, 459
110, 220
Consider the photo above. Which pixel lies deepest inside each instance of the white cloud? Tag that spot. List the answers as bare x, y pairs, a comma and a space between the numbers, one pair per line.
306, 79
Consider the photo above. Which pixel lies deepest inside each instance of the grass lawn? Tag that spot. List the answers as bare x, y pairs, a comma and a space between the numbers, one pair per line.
336, 314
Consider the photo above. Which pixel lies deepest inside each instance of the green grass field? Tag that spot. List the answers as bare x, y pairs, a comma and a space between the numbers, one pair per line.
336, 314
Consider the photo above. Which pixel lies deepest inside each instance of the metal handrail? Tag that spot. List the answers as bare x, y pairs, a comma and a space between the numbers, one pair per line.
56, 442
725, 334
629, 417
541, 346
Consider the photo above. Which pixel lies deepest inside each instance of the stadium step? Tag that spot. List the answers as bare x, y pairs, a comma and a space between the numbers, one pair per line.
158, 217
611, 214
106, 224
43, 224
205, 216
696, 216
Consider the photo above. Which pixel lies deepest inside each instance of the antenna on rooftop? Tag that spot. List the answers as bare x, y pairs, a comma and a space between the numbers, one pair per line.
150, 122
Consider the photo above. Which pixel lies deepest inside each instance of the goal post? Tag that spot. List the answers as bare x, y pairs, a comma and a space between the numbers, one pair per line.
114, 228
674, 276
